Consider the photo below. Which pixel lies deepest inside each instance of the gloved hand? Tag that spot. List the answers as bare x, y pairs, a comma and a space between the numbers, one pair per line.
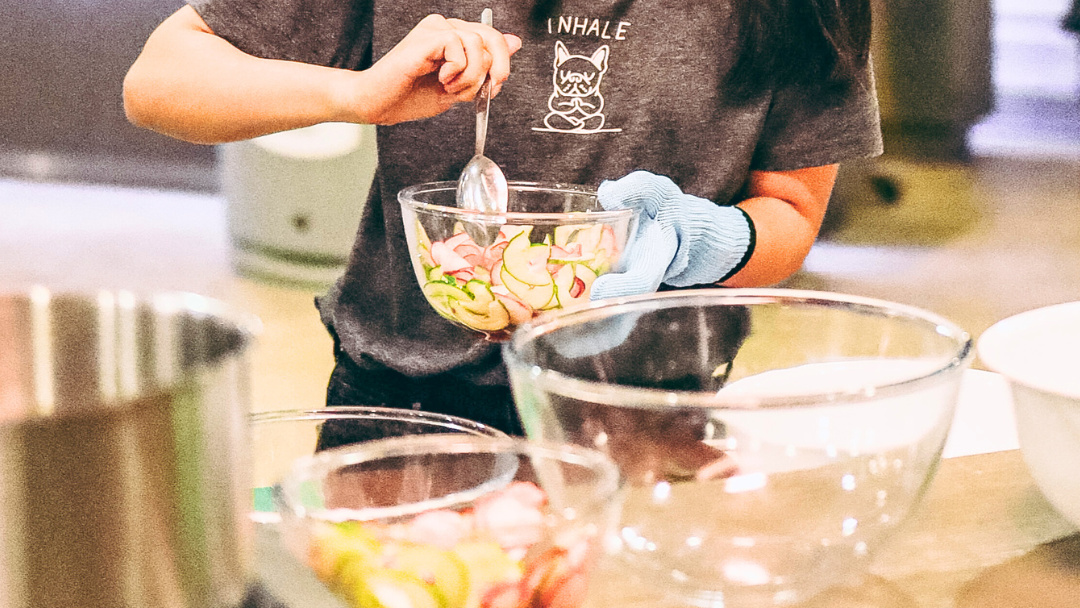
681, 240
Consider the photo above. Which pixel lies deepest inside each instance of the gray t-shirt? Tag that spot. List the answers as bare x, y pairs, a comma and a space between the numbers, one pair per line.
656, 69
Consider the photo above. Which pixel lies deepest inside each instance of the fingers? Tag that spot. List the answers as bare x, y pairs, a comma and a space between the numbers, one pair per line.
440, 63
496, 45
471, 52
497, 49
646, 261
587, 342
444, 50
640, 189
513, 45
478, 61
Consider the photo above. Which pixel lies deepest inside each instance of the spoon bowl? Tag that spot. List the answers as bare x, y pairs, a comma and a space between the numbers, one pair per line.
482, 185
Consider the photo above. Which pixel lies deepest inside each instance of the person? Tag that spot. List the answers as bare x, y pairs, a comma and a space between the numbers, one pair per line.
722, 122
1070, 21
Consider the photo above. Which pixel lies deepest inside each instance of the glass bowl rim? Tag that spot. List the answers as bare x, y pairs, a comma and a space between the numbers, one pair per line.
374, 412
317, 466
622, 395
405, 197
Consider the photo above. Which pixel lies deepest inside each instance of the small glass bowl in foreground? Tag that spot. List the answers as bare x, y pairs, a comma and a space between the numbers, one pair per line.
278, 438
770, 438
452, 522
492, 272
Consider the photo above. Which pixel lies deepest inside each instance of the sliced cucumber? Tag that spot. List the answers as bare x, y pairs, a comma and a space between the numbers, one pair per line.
439, 289
442, 568
392, 589
536, 297
527, 262
493, 318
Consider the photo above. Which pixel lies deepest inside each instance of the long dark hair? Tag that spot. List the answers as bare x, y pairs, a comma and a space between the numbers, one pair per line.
820, 44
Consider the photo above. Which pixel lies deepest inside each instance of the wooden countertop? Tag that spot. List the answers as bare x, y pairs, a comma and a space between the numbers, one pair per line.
982, 537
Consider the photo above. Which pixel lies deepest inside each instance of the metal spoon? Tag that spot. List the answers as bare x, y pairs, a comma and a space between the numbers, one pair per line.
482, 185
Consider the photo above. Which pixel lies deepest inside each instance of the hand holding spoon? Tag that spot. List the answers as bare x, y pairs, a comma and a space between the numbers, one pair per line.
482, 185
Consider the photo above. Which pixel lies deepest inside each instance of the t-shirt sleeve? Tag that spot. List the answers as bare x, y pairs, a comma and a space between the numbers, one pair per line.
803, 130
334, 33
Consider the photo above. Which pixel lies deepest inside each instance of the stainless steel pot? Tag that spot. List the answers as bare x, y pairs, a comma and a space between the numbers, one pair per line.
123, 451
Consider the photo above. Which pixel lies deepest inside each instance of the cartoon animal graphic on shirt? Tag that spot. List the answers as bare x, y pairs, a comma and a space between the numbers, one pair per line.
576, 105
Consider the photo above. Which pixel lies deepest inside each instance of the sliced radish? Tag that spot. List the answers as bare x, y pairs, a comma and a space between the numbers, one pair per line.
458, 239
519, 311
471, 252
503, 595
492, 254
464, 274
444, 256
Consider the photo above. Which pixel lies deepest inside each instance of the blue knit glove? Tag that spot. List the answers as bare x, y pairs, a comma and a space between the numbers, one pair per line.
681, 240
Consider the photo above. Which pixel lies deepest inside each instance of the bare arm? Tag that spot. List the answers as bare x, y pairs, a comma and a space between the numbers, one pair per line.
193, 85
787, 208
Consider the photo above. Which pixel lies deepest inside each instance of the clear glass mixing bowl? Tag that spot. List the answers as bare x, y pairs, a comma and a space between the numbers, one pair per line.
770, 438
492, 272
278, 438
453, 521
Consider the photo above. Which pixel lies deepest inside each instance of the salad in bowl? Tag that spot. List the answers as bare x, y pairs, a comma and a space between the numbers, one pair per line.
493, 272
452, 521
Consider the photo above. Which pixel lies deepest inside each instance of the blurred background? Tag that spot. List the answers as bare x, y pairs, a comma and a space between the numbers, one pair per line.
971, 213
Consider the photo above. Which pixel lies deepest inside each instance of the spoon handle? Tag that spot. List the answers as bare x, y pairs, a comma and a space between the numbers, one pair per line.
483, 99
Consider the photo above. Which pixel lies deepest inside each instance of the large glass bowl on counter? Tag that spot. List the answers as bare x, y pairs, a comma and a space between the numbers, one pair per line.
452, 521
492, 272
770, 438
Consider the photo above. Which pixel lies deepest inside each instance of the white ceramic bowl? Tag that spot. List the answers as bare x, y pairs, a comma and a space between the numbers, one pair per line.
1038, 351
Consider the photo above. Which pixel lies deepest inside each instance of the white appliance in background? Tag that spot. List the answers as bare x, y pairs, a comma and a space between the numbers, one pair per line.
294, 201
